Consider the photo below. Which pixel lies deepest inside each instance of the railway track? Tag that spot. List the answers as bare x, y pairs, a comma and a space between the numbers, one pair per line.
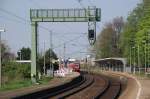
113, 90
80, 82
103, 88
87, 86
99, 85
89, 81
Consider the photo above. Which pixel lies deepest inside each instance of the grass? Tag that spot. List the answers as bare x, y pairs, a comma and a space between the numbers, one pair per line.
17, 84
44, 80
142, 74
148, 75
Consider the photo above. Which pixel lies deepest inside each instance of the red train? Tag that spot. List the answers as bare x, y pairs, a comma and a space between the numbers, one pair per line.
75, 66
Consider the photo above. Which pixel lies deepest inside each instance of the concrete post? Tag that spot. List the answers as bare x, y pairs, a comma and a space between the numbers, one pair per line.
34, 51
0, 63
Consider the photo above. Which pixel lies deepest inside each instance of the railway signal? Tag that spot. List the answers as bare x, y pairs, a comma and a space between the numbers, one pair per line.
91, 36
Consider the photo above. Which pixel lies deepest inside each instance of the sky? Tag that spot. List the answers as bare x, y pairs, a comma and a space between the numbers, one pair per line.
14, 16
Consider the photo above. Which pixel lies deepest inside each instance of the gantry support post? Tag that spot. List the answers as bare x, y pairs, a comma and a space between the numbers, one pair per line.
34, 52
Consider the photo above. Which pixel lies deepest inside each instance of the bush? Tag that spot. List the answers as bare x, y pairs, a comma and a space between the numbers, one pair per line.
13, 71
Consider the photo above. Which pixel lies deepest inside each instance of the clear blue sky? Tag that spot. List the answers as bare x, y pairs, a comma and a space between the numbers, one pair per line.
18, 32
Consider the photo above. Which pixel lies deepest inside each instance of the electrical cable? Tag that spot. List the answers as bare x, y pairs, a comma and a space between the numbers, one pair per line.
21, 20
68, 41
63, 25
28, 22
63, 35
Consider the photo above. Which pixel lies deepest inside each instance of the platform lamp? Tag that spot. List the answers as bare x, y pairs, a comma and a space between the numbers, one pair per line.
134, 58
131, 46
148, 45
145, 64
1, 30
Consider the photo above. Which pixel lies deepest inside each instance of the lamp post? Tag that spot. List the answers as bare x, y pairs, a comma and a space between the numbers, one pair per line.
1, 30
130, 57
44, 59
64, 54
138, 57
148, 49
51, 53
134, 59
144, 42
131, 53
131, 45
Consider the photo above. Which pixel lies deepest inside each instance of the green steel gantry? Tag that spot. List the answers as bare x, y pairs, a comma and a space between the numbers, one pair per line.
90, 15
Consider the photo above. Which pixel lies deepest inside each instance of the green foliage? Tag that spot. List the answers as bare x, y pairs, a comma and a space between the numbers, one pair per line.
49, 53
15, 75
133, 39
24, 53
13, 71
16, 84
44, 80
5, 52
107, 44
137, 29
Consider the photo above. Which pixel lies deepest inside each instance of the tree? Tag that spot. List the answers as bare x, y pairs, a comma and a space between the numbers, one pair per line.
117, 25
15, 71
130, 29
6, 54
49, 53
104, 41
10, 69
136, 29
107, 44
24, 53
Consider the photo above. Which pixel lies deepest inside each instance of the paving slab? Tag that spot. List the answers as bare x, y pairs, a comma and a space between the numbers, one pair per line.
145, 87
144, 84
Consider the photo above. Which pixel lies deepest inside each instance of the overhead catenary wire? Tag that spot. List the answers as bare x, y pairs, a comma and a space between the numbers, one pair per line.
38, 5
77, 51
68, 41
12, 20
28, 22
25, 21
22, 20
